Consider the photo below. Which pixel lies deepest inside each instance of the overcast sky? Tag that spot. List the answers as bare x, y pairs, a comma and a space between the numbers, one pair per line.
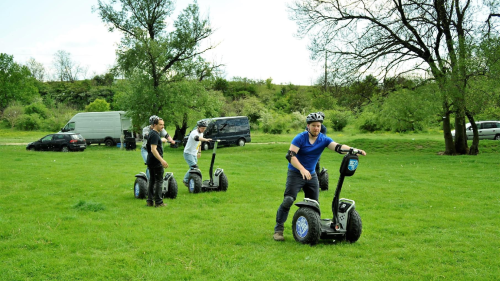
256, 37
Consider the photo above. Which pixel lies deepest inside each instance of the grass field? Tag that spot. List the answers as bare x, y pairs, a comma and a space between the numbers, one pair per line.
73, 216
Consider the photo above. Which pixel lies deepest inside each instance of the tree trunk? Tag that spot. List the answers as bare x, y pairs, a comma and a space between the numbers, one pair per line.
474, 148
448, 138
460, 137
180, 132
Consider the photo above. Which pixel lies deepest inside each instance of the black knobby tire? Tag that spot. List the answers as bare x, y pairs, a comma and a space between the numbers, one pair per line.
223, 183
65, 149
172, 189
109, 142
354, 227
194, 183
140, 188
306, 226
323, 181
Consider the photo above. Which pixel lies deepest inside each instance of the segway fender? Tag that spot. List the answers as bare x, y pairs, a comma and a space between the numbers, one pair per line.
195, 171
167, 176
217, 174
142, 175
309, 203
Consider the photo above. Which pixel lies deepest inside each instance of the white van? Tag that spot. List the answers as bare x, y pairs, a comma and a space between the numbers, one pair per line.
100, 127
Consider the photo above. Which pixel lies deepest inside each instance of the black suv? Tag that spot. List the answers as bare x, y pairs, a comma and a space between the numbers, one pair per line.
59, 142
229, 130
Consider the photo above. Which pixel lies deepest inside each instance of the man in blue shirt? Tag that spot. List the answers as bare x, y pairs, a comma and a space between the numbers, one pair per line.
305, 150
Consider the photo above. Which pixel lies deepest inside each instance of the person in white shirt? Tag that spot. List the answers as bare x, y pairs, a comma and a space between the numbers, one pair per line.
192, 150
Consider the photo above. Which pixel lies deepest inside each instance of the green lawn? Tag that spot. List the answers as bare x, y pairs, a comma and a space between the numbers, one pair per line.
73, 216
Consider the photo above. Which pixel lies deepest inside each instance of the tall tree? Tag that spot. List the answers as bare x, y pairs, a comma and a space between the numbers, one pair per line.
66, 69
149, 47
37, 69
394, 37
16, 82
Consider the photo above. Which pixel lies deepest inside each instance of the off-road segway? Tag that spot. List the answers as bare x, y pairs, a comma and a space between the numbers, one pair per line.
307, 225
218, 180
169, 188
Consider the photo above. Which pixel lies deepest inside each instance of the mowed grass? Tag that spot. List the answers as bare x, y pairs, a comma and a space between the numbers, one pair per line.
73, 216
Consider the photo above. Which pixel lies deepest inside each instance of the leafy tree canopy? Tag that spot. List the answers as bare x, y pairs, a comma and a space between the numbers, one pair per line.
16, 82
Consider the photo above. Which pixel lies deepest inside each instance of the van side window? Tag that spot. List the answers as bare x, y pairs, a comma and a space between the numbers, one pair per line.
488, 125
240, 125
231, 126
223, 127
69, 127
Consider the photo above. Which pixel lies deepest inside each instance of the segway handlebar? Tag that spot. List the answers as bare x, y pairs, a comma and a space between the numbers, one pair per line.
351, 150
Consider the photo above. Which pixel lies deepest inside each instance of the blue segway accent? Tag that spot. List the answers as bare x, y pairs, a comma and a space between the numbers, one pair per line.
136, 189
302, 227
191, 185
353, 164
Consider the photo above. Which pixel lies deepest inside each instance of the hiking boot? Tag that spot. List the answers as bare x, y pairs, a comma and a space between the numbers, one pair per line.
149, 204
278, 236
161, 205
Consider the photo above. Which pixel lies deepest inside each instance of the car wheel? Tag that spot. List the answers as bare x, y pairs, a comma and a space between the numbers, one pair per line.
140, 188
172, 189
306, 226
497, 137
194, 183
241, 142
65, 149
109, 142
205, 146
354, 227
223, 183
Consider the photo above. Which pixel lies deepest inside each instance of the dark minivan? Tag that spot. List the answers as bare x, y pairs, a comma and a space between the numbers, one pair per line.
229, 130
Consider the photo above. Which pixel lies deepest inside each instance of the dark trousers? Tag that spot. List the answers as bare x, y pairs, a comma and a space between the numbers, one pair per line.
155, 185
294, 183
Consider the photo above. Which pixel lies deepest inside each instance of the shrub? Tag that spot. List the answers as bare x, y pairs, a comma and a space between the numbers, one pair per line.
12, 114
367, 121
29, 122
269, 83
298, 121
338, 119
38, 108
274, 123
98, 105
54, 123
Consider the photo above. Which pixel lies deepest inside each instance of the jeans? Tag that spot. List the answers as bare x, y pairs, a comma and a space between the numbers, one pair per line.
191, 160
144, 153
155, 185
294, 183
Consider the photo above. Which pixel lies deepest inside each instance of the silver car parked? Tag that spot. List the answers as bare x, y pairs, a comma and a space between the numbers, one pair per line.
489, 130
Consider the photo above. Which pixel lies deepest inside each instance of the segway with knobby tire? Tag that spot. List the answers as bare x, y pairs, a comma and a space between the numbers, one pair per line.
169, 188
218, 180
309, 228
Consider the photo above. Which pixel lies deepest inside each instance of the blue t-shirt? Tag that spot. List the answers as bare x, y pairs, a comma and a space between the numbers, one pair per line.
309, 154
